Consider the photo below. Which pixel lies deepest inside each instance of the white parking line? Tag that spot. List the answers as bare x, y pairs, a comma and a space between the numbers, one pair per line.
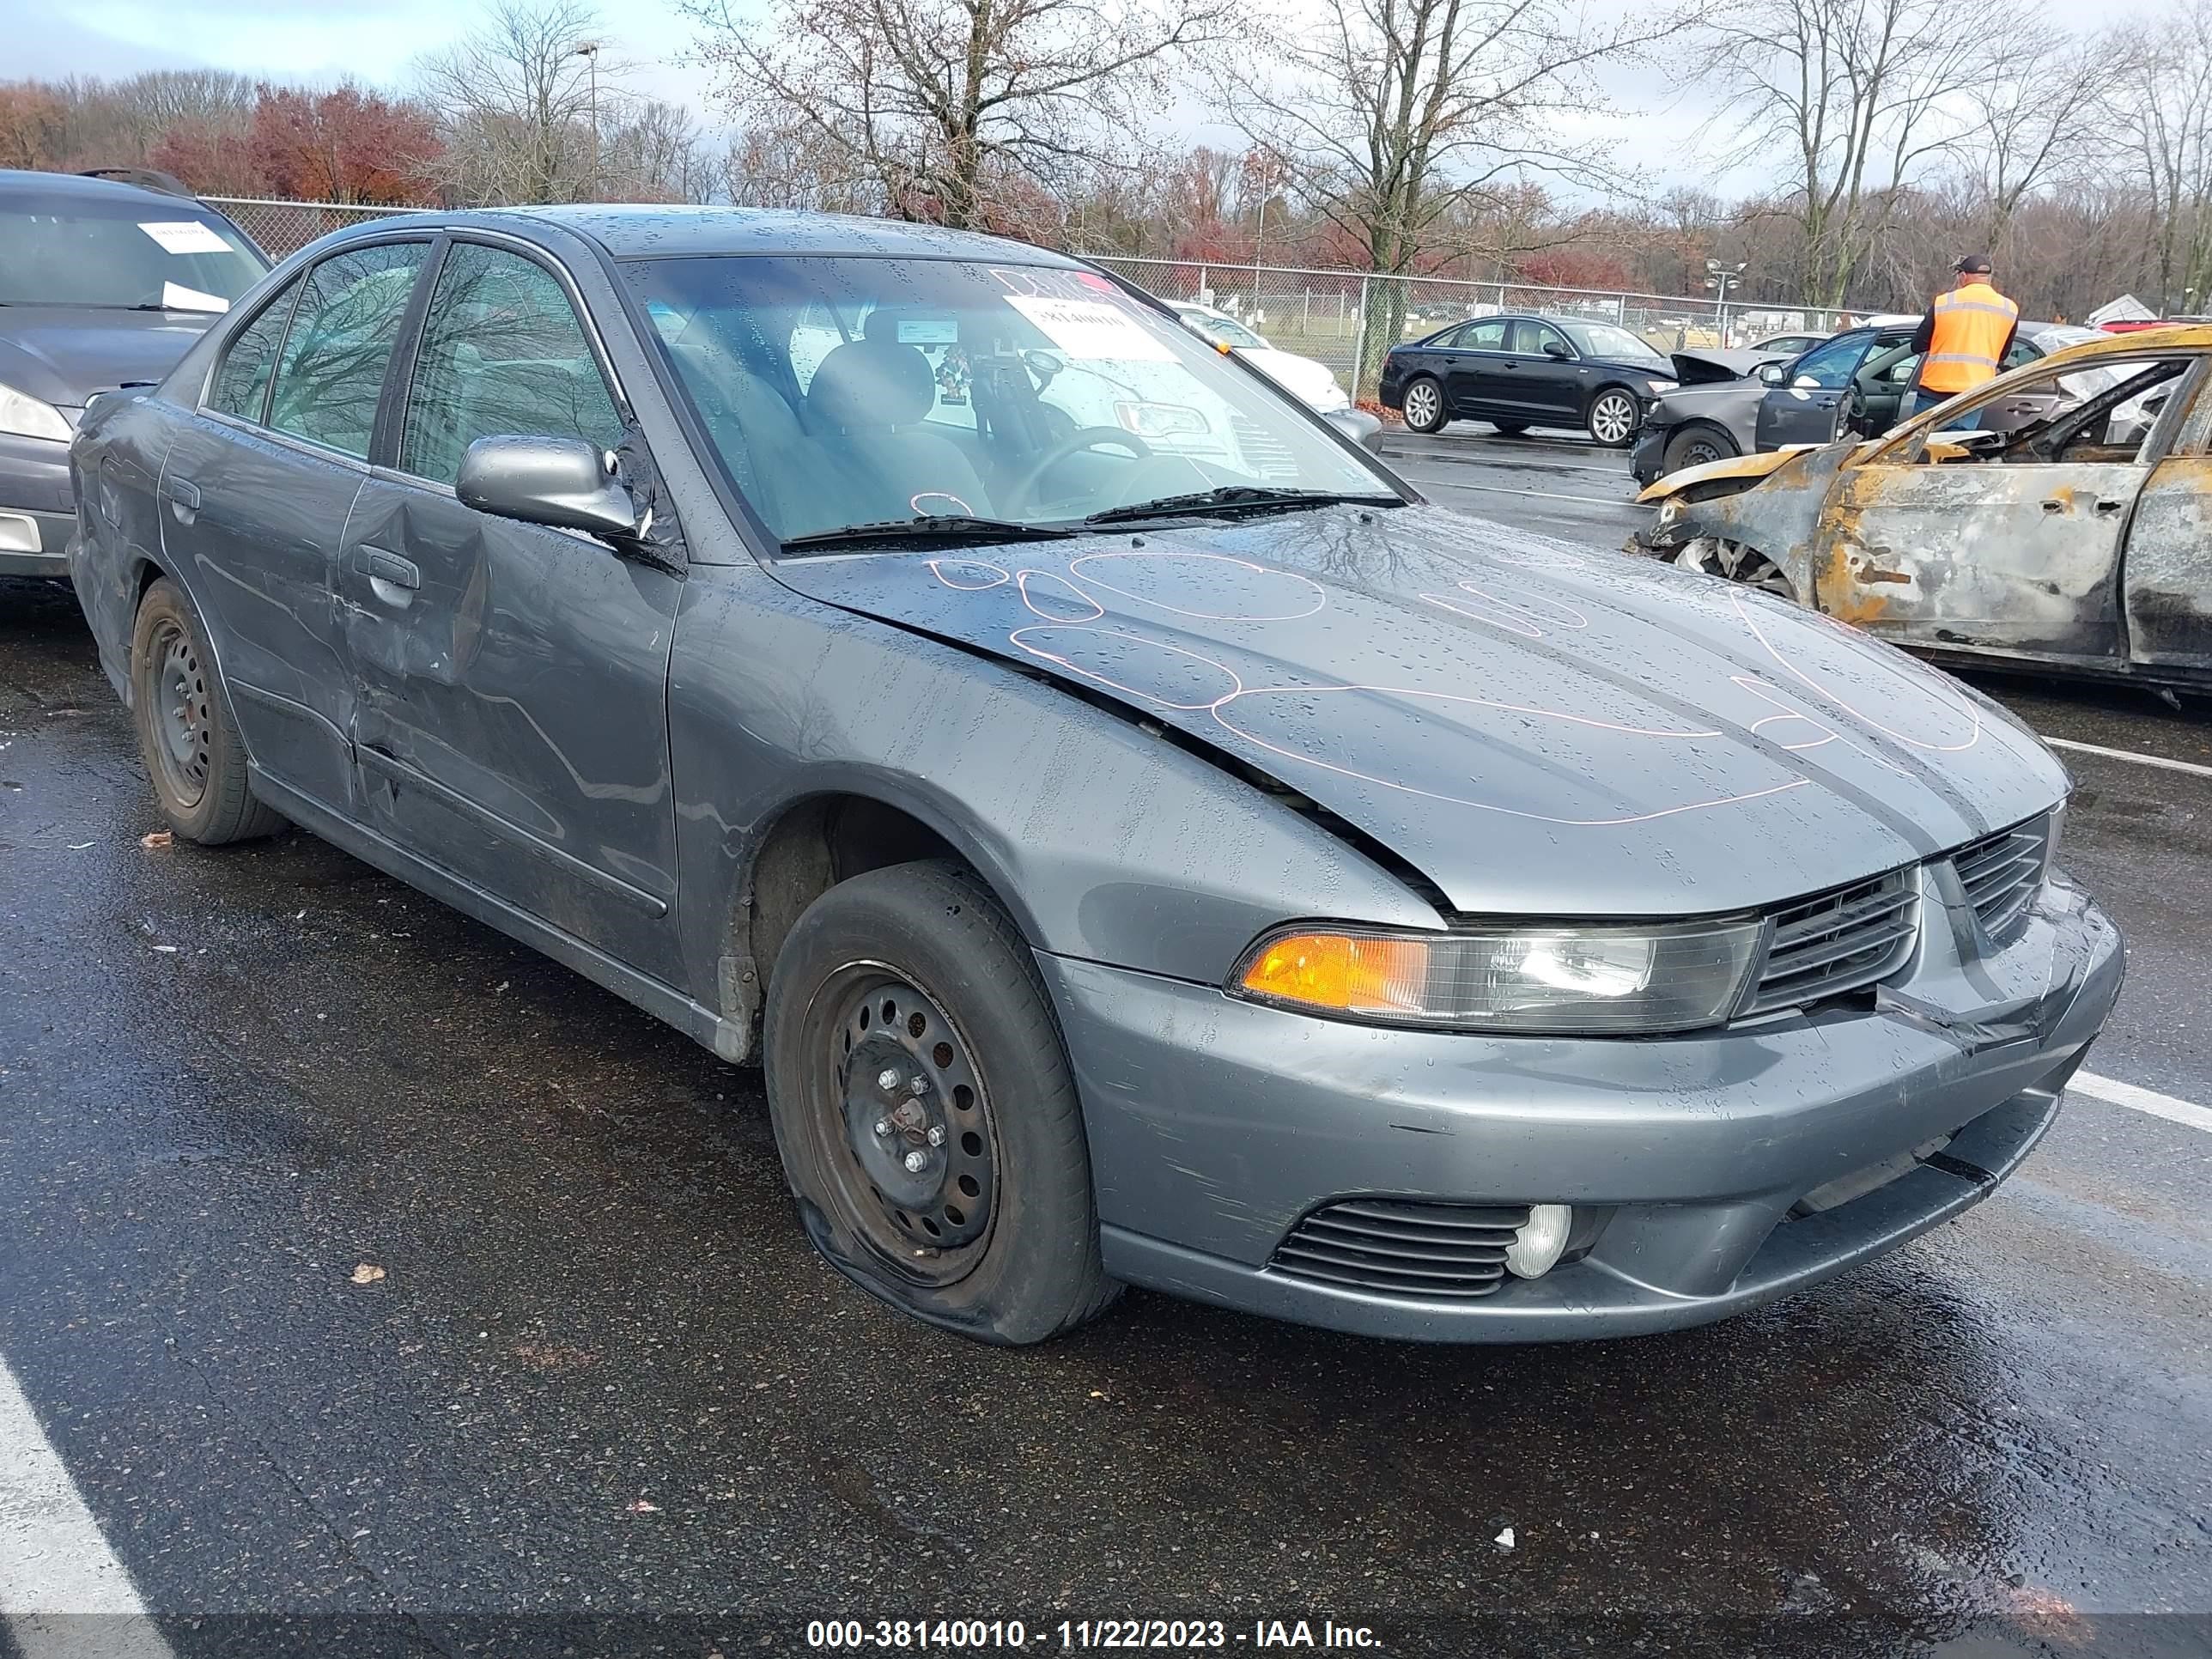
63, 1593
2113, 1092
2129, 754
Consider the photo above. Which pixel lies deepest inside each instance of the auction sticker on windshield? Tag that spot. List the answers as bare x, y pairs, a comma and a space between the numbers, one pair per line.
185, 236
1093, 329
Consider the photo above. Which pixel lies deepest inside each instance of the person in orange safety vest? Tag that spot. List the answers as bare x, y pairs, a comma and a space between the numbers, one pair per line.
1963, 339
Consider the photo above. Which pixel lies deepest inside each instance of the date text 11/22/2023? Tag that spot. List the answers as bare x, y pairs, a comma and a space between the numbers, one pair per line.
954, 1635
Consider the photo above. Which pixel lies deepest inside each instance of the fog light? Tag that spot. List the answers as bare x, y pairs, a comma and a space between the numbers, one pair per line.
1539, 1241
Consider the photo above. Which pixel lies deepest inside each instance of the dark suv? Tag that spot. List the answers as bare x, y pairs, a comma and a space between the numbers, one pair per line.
1520, 372
102, 283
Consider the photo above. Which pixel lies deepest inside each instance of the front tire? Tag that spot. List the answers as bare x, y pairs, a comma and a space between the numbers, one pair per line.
1424, 407
925, 1110
193, 752
1697, 446
1613, 418
1735, 561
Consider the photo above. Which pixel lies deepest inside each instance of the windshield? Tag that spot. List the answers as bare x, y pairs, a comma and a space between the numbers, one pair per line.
166, 256
1220, 330
1615, 344
846, 391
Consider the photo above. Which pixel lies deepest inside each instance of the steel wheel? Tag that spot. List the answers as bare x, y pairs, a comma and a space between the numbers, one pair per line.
1735, 561
1612, 418
1425, 405
914, 1150
1698, 447
177, 688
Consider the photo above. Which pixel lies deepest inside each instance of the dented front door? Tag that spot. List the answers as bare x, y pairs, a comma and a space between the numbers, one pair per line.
2010, 558
510, 711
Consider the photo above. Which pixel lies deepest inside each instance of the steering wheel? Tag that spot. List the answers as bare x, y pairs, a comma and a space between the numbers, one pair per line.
1022, 493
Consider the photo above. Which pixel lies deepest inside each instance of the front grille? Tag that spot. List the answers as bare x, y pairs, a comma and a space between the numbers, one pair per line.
1838, 942
1401, 1247
2003, 872
1265, 455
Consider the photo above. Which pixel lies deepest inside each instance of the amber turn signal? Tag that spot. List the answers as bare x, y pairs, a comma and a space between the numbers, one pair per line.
1334, 970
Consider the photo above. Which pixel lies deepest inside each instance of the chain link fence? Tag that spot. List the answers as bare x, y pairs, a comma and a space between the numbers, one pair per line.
284, 227
1349, 318
1345, 318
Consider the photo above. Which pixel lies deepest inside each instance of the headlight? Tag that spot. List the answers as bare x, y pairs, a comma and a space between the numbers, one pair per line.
26, 417
1159, 420
1596, 981
1330, 396
1662, 386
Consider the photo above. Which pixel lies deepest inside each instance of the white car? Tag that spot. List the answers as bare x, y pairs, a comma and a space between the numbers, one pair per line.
1304, 379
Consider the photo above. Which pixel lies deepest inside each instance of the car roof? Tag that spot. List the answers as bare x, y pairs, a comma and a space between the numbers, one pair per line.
655, 230
19, 183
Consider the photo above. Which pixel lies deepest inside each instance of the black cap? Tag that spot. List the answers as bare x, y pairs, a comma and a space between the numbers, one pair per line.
1974, 265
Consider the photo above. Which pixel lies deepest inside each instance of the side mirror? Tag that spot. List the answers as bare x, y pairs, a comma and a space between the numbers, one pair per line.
1357, 425
1772, 373
1557, 353
561, 481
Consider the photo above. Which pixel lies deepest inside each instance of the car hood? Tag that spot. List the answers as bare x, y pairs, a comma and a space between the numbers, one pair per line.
1537, 728
63, 355
1641, 371
1703, 366
1303, 378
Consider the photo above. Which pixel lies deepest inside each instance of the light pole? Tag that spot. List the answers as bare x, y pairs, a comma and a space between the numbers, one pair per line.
589, 51
1719, 280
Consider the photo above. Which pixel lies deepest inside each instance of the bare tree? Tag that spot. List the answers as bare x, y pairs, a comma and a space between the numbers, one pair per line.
1397, 116
2037, 118
518, 107
2161, 104
944, 109
1859, 95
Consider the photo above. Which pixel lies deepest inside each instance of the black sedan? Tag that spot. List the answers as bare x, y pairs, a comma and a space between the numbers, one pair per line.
1144, 841
1520, 372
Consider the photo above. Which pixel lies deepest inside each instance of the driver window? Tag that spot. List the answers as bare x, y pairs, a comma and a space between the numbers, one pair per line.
1828, 368
2102, 413
1529, 339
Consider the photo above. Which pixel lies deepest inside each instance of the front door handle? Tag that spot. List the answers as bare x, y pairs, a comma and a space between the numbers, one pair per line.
2109, 509
390, 568
182, 490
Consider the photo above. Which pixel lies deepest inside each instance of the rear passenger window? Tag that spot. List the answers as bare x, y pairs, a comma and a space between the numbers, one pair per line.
502, 353
241, 385
1482, 336
332, 371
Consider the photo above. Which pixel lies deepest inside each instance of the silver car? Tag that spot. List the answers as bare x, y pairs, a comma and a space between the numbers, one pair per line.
1245, 880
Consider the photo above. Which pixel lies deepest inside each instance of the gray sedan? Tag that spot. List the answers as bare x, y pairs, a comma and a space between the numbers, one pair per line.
1163, 852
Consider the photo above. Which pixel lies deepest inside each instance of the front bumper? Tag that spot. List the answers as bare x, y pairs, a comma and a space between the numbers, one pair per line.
1647, 460
37, 514
1215, 1124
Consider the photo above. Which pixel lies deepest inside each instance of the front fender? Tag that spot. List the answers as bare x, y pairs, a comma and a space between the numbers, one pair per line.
1107, 841
1779, 512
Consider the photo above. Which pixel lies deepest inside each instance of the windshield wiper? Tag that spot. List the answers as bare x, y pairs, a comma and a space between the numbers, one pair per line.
1235, 498
931, 527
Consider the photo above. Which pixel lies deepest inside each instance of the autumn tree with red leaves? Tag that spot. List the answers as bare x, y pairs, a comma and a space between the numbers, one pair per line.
344, 145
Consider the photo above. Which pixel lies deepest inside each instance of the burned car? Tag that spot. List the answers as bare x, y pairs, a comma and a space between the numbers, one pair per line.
2054, 517
1226, 874
1855, 382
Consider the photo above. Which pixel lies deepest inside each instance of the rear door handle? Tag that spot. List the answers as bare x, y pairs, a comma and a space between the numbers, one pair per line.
391, 578
2107, 509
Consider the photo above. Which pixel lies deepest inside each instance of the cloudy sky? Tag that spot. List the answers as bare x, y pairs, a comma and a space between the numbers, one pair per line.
376, 40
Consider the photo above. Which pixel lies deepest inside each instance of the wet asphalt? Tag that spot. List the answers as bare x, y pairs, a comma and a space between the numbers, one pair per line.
603, 1398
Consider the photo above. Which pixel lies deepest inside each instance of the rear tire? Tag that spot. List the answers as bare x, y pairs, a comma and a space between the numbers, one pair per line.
193, 752
1424, 404
966, 1202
